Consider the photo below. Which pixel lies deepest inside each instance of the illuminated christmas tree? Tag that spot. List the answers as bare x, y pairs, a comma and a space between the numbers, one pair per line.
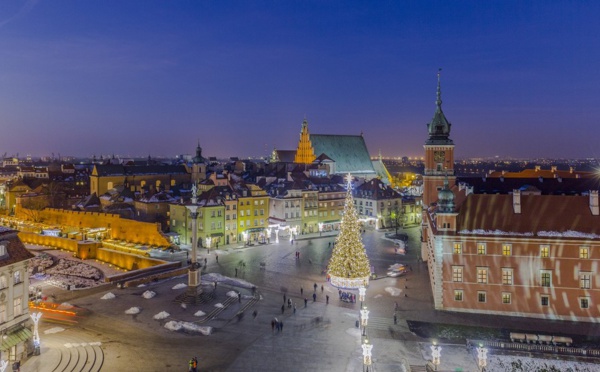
349, 265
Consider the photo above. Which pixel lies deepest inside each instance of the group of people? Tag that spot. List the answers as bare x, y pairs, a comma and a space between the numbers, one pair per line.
276, 324
347, 296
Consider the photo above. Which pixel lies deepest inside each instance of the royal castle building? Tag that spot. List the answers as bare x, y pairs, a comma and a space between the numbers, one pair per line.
518, 254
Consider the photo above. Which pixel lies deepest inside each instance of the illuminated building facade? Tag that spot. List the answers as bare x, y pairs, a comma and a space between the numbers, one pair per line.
518, 254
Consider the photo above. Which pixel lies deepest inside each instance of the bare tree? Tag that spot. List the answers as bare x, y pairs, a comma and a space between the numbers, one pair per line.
32, 206
398, 216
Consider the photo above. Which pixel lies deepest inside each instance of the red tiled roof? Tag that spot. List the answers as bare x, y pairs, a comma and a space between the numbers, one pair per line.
16, 251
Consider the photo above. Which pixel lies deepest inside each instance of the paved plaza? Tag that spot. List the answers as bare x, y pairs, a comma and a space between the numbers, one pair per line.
318, 336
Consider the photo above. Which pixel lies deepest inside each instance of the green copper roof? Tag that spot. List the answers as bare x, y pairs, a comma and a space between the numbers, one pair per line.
349, 152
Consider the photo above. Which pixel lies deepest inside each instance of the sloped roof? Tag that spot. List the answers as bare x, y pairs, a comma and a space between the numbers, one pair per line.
349, 152
16, 251
539, 213
130, 170
381, 171
547, 186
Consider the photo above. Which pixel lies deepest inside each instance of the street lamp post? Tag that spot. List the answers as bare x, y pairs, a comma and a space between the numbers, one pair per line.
320, 228
364, 316
277, 235
208, 242
436, 353
36, 335
482, 357
367, 354
361, 294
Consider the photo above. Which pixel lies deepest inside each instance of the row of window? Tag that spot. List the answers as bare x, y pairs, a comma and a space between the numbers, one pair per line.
249, 223
584, 302
584, 252
256, 212
585, 278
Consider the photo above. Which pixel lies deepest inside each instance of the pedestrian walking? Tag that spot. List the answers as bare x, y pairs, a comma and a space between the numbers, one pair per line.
301, 291
396, 306
217, 257
395, 319
327, 299
254, 314
282, 308
205, 261
315, 286
239, 297
272, 325
321, 288
236, 272
314, 297
281, 326
294, 308
305, 301
284, 298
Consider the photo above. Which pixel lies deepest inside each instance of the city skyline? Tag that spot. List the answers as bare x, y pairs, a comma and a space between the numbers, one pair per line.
518, 80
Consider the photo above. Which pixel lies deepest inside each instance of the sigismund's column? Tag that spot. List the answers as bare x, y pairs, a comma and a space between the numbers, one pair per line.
194, 271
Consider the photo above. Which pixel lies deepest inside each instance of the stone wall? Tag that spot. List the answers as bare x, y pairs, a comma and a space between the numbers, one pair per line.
143, 233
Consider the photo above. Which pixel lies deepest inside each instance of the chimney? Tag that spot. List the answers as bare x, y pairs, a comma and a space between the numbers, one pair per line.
553, 168
538, 168
469, 190
594, 202
571, 169
517, 201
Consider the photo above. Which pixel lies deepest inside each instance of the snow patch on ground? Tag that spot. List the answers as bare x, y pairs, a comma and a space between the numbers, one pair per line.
493, 232
53, 330
141, 285
232, 294
568, 234
199, 313
501, 363
354, 332
393, 291
189, 327
162, 315
220, 305
179, 286
377, 296
149, 294
133, 310
352, 315
108, 296
215, 277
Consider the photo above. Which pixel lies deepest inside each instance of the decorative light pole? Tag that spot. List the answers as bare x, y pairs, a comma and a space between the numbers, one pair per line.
364, 317
320, 228
194, 288
362, 291
36, 335
482, 357
367, 354
208, 242
436, 353
277, 235
245, 235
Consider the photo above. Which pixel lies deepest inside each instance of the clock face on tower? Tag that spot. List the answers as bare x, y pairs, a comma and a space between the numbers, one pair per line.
439, 156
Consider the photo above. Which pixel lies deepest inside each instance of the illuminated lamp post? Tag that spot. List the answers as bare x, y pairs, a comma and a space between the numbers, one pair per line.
364, 317
208, 242
367, 354
36, 335
436, 353
362, 291
482, 357
277, 235
245, 235
320, 228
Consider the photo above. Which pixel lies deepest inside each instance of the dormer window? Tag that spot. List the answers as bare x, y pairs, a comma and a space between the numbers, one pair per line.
2, 249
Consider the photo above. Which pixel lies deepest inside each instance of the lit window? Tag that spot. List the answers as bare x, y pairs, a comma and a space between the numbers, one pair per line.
457, 248
544, 251
481, 296
457, 273
17, 277
585, 280
584, 302
507, 276
482, 275
584, 252
506, 249
480, 248
546, 278
2, 249
458, 295
506, 298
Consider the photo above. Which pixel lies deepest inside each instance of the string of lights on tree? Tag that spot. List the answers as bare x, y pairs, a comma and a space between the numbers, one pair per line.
349, 265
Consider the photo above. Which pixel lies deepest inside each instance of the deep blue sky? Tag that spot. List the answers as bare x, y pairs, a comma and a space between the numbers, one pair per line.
145, 77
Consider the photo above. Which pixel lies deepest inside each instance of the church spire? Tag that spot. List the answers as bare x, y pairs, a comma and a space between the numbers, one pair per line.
305, 153
439, 127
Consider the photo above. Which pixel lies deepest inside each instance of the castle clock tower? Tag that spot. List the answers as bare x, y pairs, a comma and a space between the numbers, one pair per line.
439, 153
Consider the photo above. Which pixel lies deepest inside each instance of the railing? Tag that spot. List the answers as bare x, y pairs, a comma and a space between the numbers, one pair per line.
552, 349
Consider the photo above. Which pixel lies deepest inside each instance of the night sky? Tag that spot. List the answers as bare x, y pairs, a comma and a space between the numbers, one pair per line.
519, 79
